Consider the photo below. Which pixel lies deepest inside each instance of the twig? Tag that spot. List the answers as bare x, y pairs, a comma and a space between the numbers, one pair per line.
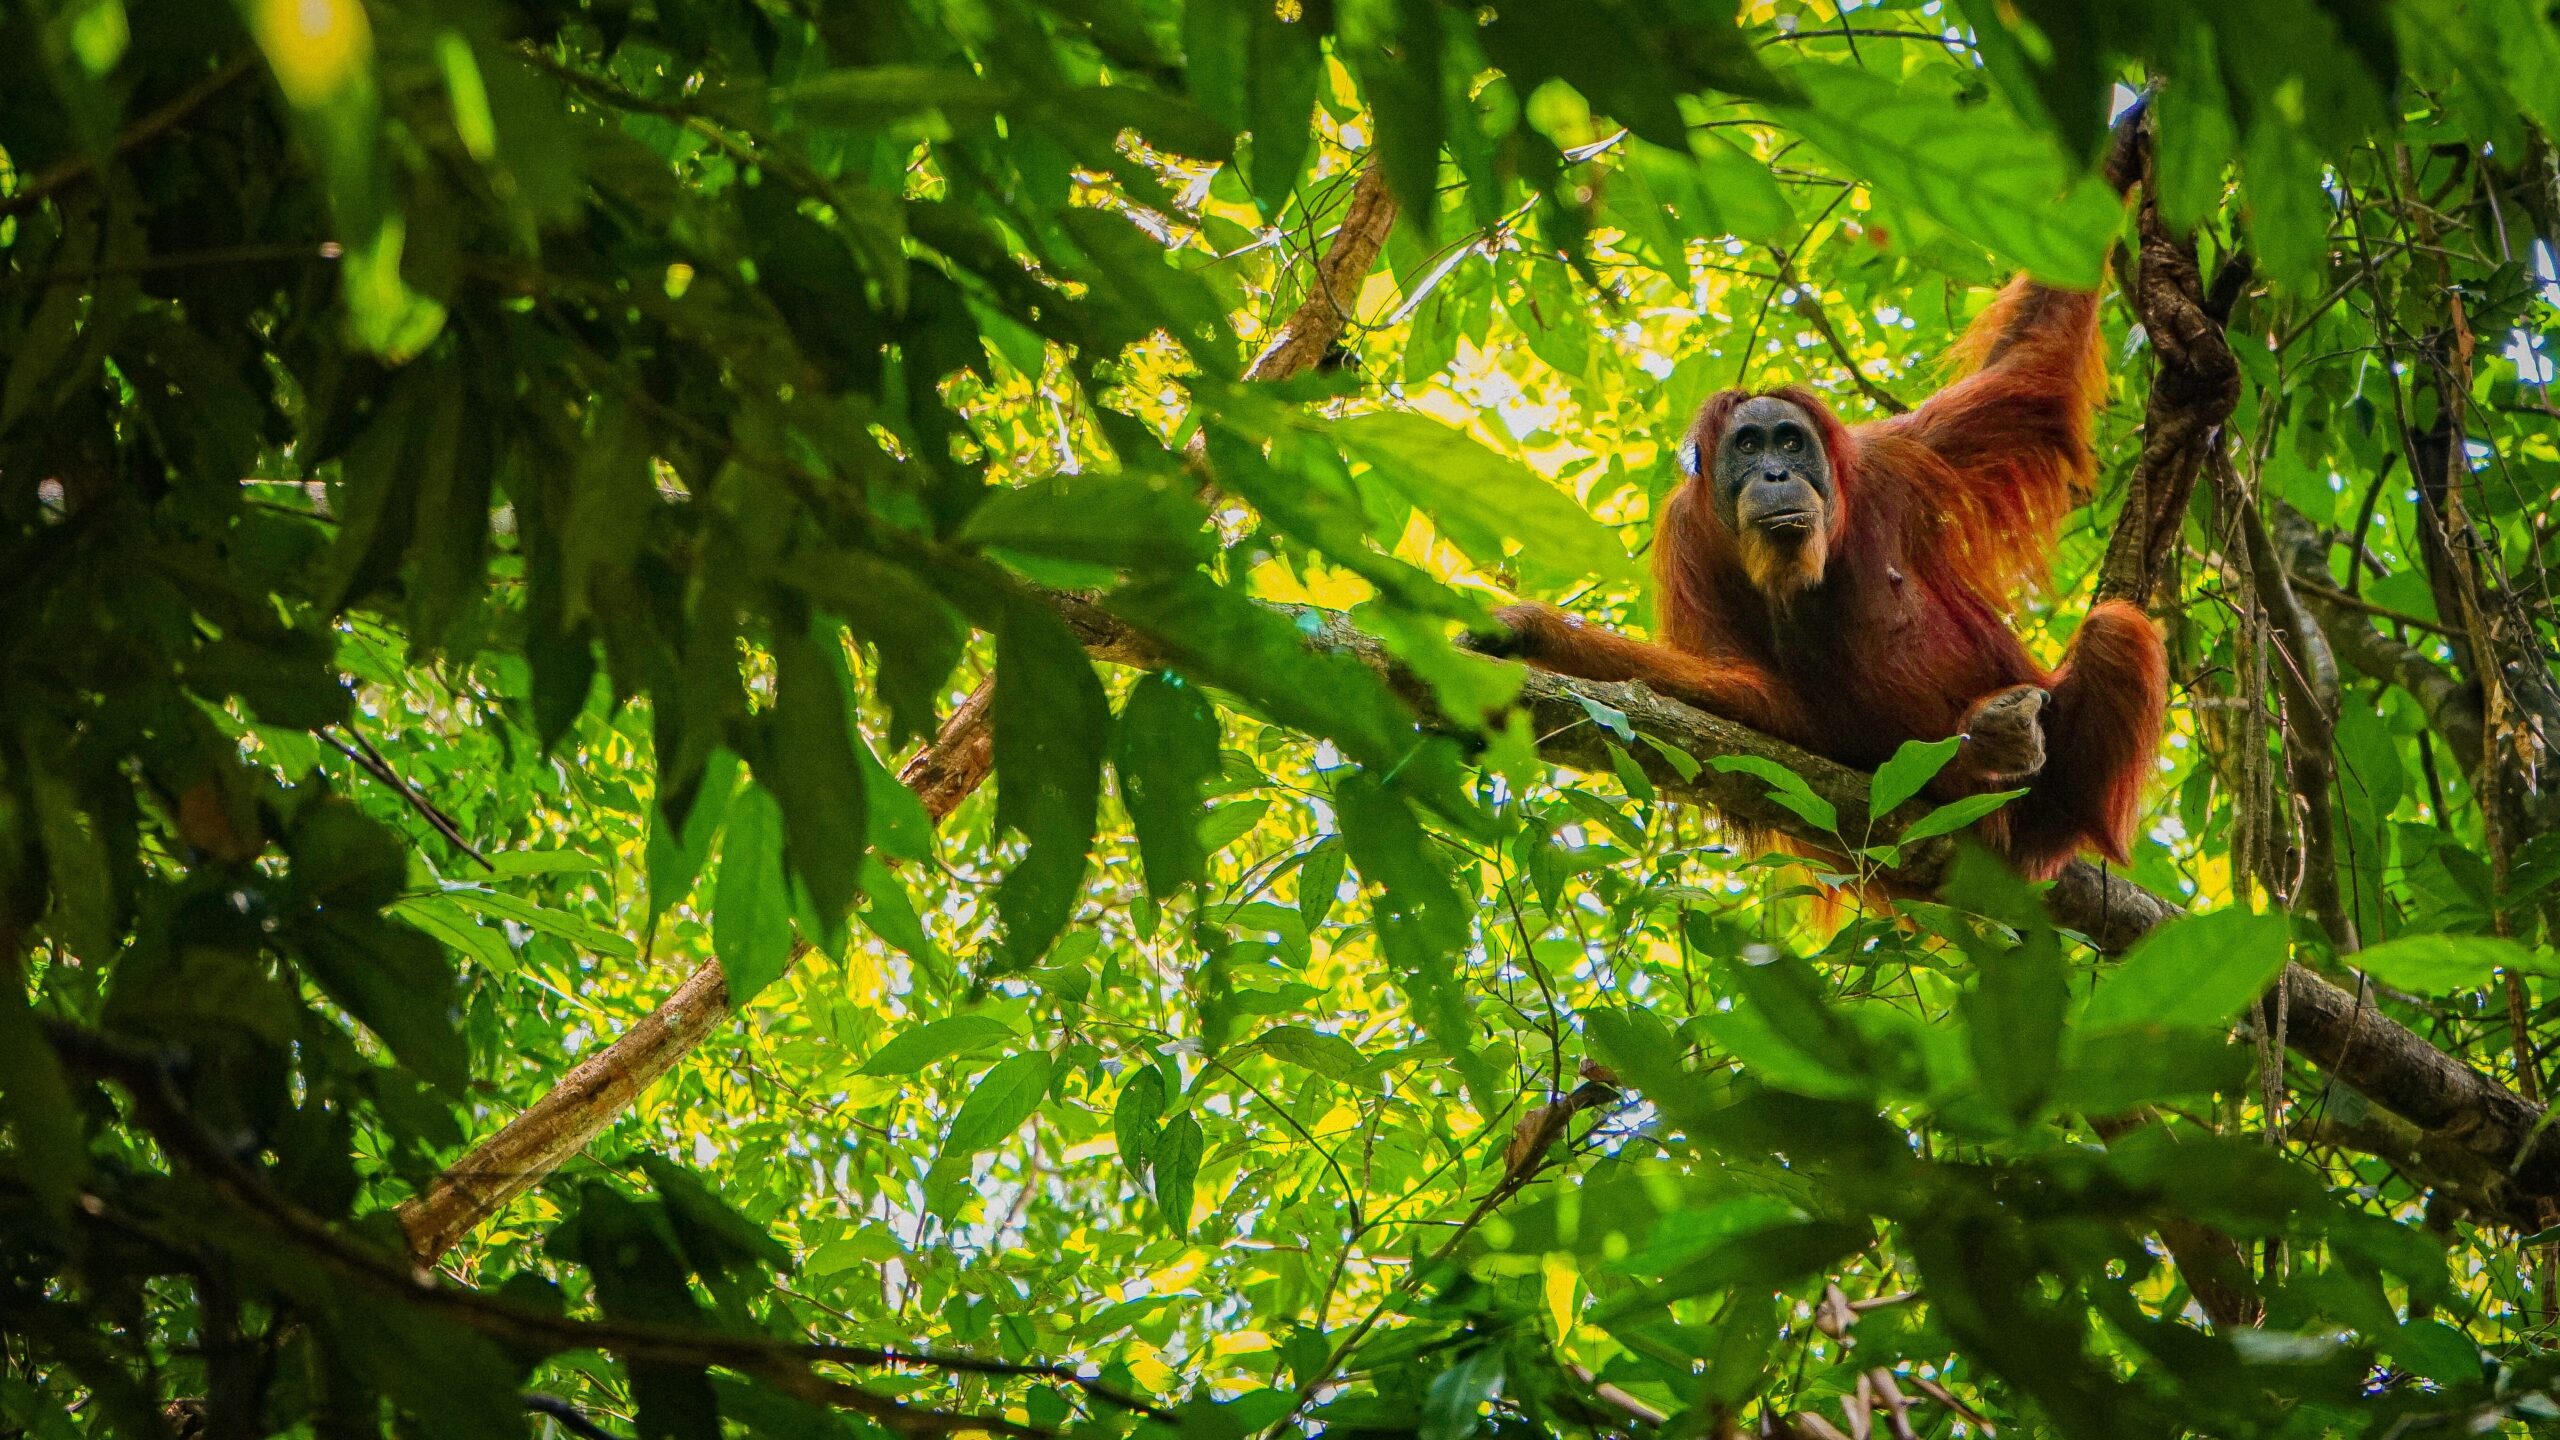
371, 761
1786, 264
142, 132
567, 1416
2359, 603
160, 1111
1820, 319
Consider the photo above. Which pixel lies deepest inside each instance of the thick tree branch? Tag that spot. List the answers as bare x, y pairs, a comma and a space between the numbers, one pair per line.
2355, 1043
1318, 322
527, 1149
593, 1095
2193, 390
2452, 707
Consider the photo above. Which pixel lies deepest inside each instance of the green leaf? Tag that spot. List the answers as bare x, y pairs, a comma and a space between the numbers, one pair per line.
715, 1238
1052, 725
1454, 1406
1217, 37
917, 637
1139, 271
1221, 638
2194, 140
640, 1278
914, 1048
870, 95
1747, 199
1397, 51
2289, 212
583, 934
1914, 765
1177, 1170
1482, 500
1607, 717
456, 1383
1165, 749
2115, 1072
2437, 1351
1133, 520
1635, 1043
1762, 1258
1284, 74
816, 771
1319, 881
1225, 824
1004, 1097
1424, 922
750, 897
2447, 964
2193, 973
2013, 1020
36, 1102
891, 914
1955, 815
395, 980
1786, 787
1328, 1055
1971, 166
1787, 996
1629, 61
1134, 1119
1681, 761
1630, 773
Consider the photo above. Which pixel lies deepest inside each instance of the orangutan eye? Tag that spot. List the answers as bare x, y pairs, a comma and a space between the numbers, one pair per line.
1791, 439
1688, 457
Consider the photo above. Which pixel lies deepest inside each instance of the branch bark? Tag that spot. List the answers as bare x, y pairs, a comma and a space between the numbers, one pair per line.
2337, 1031
2452, 707
592, 1095
2193, 391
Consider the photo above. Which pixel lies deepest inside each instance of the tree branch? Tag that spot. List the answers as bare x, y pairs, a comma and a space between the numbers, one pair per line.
140, 133
592, 1096
2193, 391
2452, 707
785, 1365
2356, 1044
2335, 1030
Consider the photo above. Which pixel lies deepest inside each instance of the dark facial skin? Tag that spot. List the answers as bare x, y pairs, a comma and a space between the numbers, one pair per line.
1770, 474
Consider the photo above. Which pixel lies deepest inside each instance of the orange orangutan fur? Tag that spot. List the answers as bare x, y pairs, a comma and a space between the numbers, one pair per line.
1940, 517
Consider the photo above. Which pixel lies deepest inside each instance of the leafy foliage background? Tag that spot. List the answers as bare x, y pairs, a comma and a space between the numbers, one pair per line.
490, 493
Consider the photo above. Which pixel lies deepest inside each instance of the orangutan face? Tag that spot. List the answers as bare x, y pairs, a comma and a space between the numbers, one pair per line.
1771, 484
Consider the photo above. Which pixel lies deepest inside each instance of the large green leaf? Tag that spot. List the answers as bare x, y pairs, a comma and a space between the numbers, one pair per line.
1966, 163
1481, 500
1164, 749
1051, 727
2192, 973
815, 768
911, 1050
751, 896
998, 1105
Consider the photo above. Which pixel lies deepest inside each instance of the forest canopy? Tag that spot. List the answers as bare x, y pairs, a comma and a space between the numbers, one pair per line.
755, 717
